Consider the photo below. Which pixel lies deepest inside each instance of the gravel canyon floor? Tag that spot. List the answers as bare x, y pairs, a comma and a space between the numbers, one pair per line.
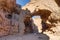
30, 37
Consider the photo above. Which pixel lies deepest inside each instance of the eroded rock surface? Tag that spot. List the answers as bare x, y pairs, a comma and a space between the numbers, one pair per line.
7, 8
49, 10
12, 17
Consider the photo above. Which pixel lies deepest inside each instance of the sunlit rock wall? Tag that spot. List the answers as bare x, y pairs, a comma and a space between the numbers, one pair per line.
51, 5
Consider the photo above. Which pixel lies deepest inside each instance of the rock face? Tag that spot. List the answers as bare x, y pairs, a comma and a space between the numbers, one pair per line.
12, 17
22, 17
4, 24
49, 10
44, 4
7, 9
7, 5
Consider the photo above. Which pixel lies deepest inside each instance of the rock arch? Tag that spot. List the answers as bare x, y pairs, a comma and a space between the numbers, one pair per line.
44, 13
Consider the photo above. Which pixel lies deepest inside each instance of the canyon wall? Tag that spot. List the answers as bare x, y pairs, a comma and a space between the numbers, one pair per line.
49, 10
7, 9
12, 17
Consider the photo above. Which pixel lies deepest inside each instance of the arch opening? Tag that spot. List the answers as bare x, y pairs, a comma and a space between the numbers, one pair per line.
32, 24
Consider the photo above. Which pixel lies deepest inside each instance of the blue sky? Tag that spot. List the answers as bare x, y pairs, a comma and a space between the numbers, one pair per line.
22, 2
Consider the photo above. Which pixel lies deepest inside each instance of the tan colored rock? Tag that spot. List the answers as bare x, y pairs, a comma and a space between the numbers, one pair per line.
45, 6
50, 18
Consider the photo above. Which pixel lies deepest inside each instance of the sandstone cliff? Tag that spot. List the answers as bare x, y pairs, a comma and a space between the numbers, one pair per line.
12, 17
49, 10
7, 8
44, 4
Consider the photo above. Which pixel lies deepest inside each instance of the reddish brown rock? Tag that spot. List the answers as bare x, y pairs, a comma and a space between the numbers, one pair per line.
6, 9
